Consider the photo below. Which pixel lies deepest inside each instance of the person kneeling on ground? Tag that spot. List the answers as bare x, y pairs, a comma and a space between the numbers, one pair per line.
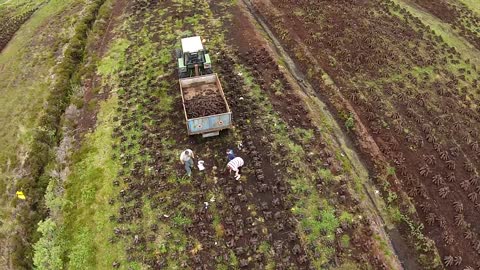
235, 165
186, 157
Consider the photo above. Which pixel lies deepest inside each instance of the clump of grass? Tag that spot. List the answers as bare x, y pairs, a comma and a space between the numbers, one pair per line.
264, 247
181, 220
345, 241
346, 217
176, 179
326, 175
233, 260
301, 185
277, 87
305, 135
350, 123
219, 229
197, 247
391, 171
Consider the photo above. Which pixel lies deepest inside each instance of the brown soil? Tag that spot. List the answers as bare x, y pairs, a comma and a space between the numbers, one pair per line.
88, 115
203, 100
360, 42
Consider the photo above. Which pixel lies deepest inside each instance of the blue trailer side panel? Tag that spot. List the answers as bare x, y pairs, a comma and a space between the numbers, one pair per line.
209, 123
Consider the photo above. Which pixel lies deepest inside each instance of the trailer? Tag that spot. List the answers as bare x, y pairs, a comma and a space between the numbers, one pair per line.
204, 104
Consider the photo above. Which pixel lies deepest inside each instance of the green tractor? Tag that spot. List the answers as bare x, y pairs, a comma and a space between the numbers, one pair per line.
193, 59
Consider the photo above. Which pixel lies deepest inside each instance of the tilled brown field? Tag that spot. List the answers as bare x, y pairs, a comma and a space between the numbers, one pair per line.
417, 96
249, 224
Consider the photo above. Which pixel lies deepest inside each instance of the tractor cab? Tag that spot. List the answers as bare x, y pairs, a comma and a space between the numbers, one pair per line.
193, 59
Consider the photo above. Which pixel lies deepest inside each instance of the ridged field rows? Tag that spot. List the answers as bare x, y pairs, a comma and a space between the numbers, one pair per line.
418, 97
462, 19
11, 19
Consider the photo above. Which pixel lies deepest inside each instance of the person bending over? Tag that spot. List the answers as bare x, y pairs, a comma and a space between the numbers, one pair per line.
235, 165
186, 157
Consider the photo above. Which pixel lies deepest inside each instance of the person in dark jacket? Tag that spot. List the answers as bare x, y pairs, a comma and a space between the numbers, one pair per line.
230, 154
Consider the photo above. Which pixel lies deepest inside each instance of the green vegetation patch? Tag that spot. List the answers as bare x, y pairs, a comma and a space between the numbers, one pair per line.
115, 58
89, 189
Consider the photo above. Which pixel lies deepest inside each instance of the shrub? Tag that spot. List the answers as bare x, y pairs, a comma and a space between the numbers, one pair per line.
48, 250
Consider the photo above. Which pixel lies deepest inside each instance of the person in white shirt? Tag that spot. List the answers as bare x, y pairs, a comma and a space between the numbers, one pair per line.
235, 165
186, 157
